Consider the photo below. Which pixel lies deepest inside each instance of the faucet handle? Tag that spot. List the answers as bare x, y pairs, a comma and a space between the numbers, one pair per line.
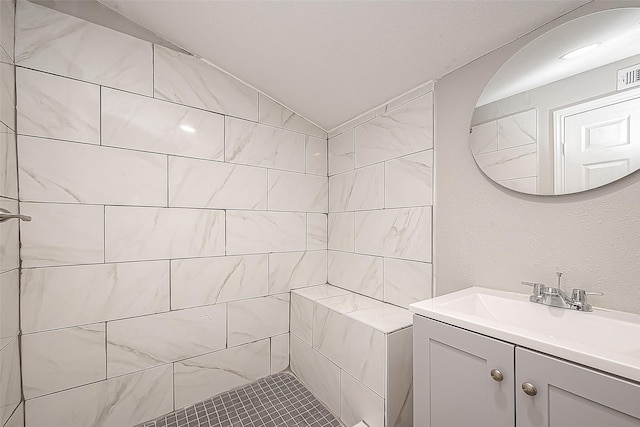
580, 295
539, 289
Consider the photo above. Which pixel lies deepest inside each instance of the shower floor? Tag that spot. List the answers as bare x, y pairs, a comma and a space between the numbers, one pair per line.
277, 400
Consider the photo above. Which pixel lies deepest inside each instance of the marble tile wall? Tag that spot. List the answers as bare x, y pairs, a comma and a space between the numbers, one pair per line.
354, 353
11, 407
506, 149
380, 201
174, 208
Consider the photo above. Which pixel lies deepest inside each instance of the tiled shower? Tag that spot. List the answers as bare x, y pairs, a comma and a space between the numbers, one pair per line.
174, 209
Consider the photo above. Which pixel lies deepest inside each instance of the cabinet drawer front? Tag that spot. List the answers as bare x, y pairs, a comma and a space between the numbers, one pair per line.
572, 395
453, 385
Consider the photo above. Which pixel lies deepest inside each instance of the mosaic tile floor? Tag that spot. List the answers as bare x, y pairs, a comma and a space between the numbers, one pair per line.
277, 400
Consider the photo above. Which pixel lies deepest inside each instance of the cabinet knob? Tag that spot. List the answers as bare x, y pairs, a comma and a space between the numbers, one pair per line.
496, 375
529, 389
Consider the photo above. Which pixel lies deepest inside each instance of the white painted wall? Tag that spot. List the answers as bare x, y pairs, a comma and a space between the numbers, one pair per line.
488, 236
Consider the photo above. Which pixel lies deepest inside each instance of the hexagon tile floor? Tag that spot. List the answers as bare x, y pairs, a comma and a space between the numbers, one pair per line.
274, 401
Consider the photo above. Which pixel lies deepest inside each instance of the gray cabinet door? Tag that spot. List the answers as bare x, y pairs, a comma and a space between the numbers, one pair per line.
453, 386
569, 395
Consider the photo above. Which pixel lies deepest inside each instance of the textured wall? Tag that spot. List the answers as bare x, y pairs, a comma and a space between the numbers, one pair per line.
489, 236
173, 210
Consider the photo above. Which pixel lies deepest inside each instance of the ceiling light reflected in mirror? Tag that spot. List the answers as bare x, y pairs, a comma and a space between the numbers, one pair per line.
563, 114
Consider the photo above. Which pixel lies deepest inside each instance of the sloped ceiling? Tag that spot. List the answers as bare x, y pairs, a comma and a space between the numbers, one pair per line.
331, 61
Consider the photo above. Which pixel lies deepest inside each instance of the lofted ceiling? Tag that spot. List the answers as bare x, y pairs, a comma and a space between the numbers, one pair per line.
330, 61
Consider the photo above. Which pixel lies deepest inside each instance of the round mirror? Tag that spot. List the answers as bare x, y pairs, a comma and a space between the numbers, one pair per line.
563, 114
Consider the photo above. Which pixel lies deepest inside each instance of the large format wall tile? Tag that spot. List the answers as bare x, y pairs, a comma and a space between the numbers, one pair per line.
7, 14
9, 238
17, 419
118, 402
296, 270
7, 90
317, 372
254, 319
406, 282
203, 281
60, 297
64, 358
135, 233
274, 114
317, 231
62, 44
316, 152
262, 232
357, 190
484, 138
359, 403
61, 234
302, 318
190, 81
399, 391
259, 145
342, 230
206, 184
55, 107
510, 163
398, 233
279, 353
8, 163
405, 130
355, 347
147, 124
10, 387
518, 129
147, 341
358, 273
408, 180
341, 153
204, 376
297, 192
66, 172
9, 304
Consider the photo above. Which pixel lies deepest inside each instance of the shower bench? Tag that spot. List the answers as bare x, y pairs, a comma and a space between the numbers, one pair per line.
354, 353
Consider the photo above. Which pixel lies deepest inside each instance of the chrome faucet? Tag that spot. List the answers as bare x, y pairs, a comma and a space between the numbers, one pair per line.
555, 297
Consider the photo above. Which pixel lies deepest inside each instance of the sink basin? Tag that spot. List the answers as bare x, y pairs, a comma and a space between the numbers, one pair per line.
602, 339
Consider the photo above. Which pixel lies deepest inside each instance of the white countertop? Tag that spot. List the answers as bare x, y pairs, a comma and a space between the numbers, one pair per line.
603, 339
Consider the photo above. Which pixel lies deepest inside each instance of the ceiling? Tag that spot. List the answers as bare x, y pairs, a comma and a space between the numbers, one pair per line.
330, 61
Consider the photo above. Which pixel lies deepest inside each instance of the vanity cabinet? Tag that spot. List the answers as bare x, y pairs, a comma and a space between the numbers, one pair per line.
463, 379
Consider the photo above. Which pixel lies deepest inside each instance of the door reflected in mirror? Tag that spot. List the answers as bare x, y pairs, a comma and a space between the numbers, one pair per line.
563, 114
